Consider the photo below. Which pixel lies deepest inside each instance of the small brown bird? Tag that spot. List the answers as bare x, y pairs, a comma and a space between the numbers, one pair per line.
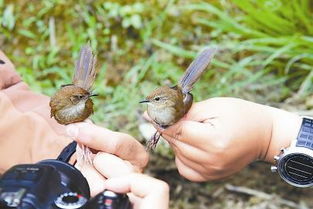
167, 105
72, 103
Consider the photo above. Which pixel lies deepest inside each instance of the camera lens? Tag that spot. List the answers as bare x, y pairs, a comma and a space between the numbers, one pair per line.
47, 184
70, 200
70, 177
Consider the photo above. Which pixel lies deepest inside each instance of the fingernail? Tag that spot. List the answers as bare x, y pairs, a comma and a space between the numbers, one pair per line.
72, 131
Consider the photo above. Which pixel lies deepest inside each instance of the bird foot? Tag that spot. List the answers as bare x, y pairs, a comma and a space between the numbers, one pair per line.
151, 144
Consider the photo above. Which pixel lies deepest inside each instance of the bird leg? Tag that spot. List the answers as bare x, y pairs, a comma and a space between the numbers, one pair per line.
151, 144
84, 155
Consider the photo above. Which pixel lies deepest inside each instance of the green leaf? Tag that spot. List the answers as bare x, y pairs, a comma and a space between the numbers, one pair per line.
27, 33
8, 18
174, 49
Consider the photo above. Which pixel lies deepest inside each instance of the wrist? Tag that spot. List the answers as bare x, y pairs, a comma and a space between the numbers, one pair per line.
285, 128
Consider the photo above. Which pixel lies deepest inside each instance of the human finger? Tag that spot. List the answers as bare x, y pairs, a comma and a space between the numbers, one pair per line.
110, 165
120, 144
154, 192
194, 154
94, 179
188, 172
190, 132
147, 117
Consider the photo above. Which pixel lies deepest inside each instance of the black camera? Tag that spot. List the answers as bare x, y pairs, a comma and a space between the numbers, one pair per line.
53, 184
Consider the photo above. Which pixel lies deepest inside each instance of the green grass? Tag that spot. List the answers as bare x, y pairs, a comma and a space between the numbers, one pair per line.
265, 48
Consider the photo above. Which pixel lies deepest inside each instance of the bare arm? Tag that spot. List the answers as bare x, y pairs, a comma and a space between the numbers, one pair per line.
25, 126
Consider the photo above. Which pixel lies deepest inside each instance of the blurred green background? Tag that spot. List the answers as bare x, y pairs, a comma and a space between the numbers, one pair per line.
265, 49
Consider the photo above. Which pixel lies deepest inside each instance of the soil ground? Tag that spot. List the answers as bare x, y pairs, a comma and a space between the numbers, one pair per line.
214, 195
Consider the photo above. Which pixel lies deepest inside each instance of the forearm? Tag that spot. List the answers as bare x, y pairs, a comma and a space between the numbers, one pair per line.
27, 133
285, 128
269, 129
25, 137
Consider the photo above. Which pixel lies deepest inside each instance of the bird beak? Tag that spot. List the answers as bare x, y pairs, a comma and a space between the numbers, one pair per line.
144, 101
93, 95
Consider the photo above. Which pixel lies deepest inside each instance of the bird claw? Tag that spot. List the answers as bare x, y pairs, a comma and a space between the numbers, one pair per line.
84, 156
151, 144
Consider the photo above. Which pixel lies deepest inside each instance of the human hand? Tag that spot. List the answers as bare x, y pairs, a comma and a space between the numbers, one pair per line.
143, 191
116, 153
220, 136
38, 137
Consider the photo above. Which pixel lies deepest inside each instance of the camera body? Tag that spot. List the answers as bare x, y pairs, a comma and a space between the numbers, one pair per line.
53, 184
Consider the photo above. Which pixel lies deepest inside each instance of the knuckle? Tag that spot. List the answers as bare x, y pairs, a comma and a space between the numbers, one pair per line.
142, 160
221, 146
163, 187
175, 131
115, 146
178, 133
219, 168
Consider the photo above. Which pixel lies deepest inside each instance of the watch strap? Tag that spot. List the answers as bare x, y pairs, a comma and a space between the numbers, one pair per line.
67, 152
305, 136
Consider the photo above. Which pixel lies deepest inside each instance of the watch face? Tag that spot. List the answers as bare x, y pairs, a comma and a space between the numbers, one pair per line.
297, 169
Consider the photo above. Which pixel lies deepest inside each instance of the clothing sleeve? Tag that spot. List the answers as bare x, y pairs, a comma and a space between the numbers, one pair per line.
27, 133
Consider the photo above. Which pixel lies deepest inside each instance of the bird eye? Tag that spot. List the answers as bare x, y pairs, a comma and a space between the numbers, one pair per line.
157, 98
79, 96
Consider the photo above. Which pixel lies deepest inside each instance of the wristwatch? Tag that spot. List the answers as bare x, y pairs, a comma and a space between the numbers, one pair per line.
295, 163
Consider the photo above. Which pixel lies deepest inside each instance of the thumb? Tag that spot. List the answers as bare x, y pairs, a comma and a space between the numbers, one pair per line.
105, 140
153, 191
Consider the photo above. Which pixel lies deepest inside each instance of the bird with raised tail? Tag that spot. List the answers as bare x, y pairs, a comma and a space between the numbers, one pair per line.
167, 105
72, 102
